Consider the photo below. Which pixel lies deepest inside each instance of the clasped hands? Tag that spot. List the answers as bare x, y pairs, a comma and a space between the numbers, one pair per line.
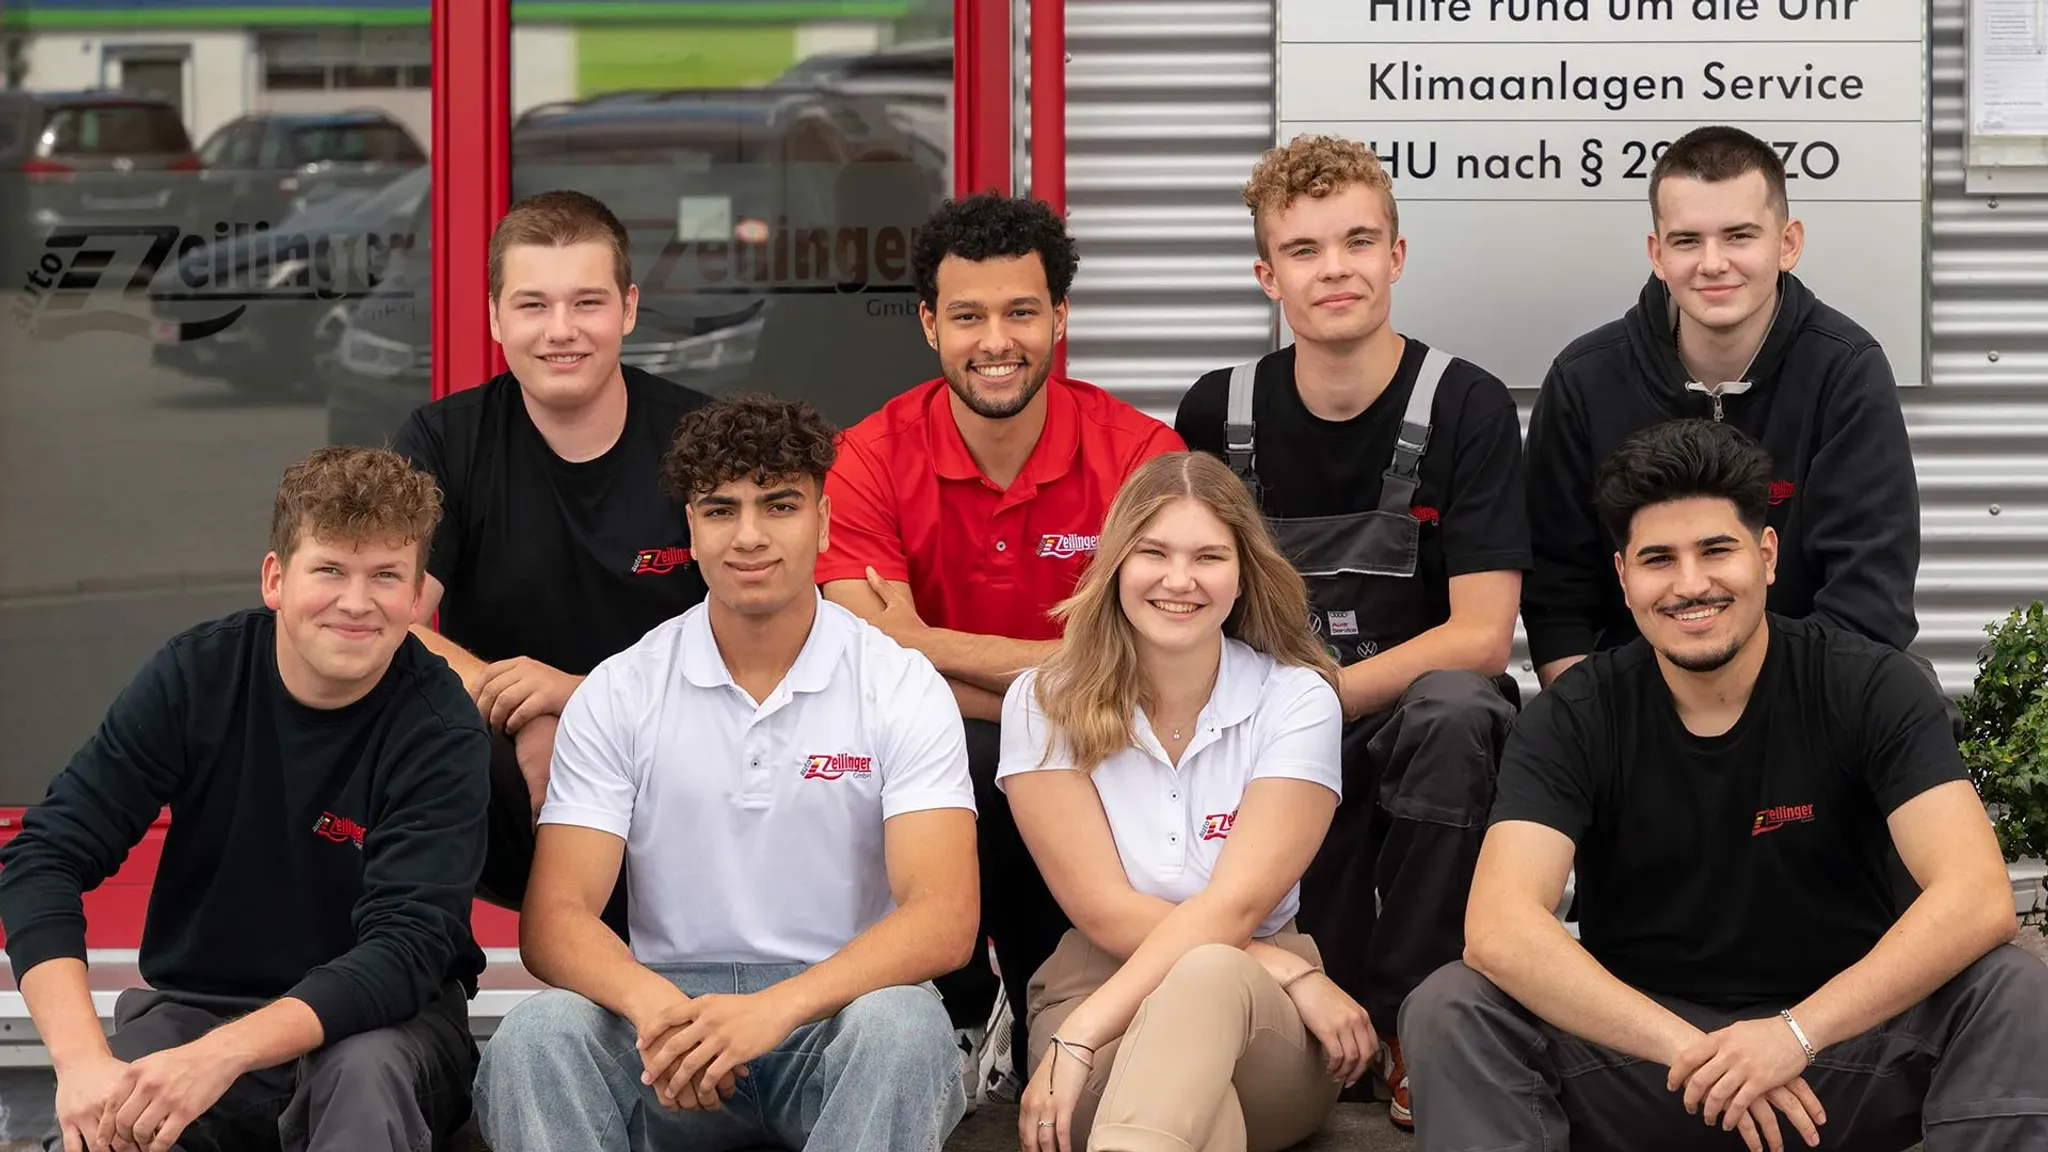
111, 1105
1744, 1077
694, 1049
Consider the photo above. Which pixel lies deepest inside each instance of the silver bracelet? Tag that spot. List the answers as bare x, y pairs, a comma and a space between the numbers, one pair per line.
1798, 1033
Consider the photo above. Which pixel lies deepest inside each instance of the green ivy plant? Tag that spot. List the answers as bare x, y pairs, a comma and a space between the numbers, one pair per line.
2005, 730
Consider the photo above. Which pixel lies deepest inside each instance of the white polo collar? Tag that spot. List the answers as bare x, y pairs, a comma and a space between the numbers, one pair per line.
830, 631
1240, 682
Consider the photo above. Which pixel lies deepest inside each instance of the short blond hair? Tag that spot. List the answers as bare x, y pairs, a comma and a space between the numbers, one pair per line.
556, 220
1314, 165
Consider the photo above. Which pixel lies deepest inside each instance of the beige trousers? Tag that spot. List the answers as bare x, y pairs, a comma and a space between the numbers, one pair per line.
1216, 1060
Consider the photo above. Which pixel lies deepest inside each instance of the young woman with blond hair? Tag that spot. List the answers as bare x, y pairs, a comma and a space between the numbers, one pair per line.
1173, 767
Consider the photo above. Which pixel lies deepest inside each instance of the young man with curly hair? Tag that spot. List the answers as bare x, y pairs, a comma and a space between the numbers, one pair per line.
967, 507
307, 956
1723, 330
559, 547
787, 789
1391, 472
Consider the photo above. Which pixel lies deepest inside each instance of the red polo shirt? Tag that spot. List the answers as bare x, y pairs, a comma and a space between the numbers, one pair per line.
909, 500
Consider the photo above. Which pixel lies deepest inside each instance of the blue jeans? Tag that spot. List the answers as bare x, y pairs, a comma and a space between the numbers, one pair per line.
562, 1075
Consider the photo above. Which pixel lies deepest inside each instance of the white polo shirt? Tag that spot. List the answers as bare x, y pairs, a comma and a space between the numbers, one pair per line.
754, 832
1263, 719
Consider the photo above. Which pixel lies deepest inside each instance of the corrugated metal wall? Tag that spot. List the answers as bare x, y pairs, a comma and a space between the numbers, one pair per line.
1170, 102
1980, 429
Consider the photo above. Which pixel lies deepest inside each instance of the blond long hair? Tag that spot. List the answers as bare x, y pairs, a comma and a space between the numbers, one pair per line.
1090, 689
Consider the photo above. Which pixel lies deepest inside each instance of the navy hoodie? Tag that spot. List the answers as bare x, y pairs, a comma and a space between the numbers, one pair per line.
325, 854
1844, 497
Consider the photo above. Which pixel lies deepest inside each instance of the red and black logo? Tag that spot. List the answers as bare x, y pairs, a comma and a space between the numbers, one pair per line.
1781, 491
837, 764
1772, 819
1424, 514
340, 829
660, 561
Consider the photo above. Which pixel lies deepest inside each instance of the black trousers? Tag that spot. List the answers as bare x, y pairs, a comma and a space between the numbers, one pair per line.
1384, 898
404, 1088
1018, 912
1965, 1070
508, 858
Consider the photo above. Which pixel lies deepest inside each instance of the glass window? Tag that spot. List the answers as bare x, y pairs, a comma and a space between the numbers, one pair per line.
170, 323
770, 174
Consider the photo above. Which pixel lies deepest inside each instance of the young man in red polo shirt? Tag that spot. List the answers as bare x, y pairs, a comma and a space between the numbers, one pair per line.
967, 507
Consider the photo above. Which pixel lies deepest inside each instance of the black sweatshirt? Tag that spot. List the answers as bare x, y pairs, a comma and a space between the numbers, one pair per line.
1822, 401
327, 855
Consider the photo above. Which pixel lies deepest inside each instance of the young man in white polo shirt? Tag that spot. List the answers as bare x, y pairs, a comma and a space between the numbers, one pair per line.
787, 789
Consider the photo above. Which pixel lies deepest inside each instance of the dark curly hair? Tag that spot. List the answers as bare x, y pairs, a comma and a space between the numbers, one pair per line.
1678, 460
986, 226
758, 438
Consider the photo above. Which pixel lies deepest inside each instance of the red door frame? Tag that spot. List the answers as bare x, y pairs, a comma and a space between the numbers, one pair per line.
472, 181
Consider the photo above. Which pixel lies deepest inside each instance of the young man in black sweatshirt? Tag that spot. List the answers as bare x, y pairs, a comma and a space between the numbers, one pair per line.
307, 951
559, 547
1723, 330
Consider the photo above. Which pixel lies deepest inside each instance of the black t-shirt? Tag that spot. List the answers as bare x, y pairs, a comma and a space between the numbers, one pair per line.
567, 563
1743, 869
325, 854
1468, 495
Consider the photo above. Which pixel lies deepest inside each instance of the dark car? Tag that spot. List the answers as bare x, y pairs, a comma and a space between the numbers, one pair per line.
292, 284
264, 167
87, 159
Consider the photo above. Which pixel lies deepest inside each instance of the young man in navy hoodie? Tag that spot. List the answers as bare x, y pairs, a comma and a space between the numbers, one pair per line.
307, 962
1725, 331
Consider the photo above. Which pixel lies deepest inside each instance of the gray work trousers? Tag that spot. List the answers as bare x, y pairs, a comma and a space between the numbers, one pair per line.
1965, 1070
405, 1088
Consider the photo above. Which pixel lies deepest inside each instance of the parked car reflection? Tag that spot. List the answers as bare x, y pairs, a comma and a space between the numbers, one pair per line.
87, 159
297, 280
741, 206
382, 365
266, 166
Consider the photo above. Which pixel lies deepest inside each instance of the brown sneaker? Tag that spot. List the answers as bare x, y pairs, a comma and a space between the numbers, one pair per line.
1391, 1066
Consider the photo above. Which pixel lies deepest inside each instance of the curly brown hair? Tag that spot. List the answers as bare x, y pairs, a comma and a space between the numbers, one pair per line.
759, 438
1314, 165
350, 495
556, 220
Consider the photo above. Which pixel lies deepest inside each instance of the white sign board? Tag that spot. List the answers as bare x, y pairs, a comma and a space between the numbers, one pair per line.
1521, 135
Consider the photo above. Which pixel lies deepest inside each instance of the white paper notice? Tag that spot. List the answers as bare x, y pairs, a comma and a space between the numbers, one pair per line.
2009, 68
704, 218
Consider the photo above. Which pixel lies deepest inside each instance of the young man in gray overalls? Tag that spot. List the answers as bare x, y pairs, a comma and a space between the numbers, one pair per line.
1392, 476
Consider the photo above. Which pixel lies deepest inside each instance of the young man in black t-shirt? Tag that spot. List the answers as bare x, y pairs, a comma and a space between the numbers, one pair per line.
559, 547
307, 954
1736, 790
1391, 473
